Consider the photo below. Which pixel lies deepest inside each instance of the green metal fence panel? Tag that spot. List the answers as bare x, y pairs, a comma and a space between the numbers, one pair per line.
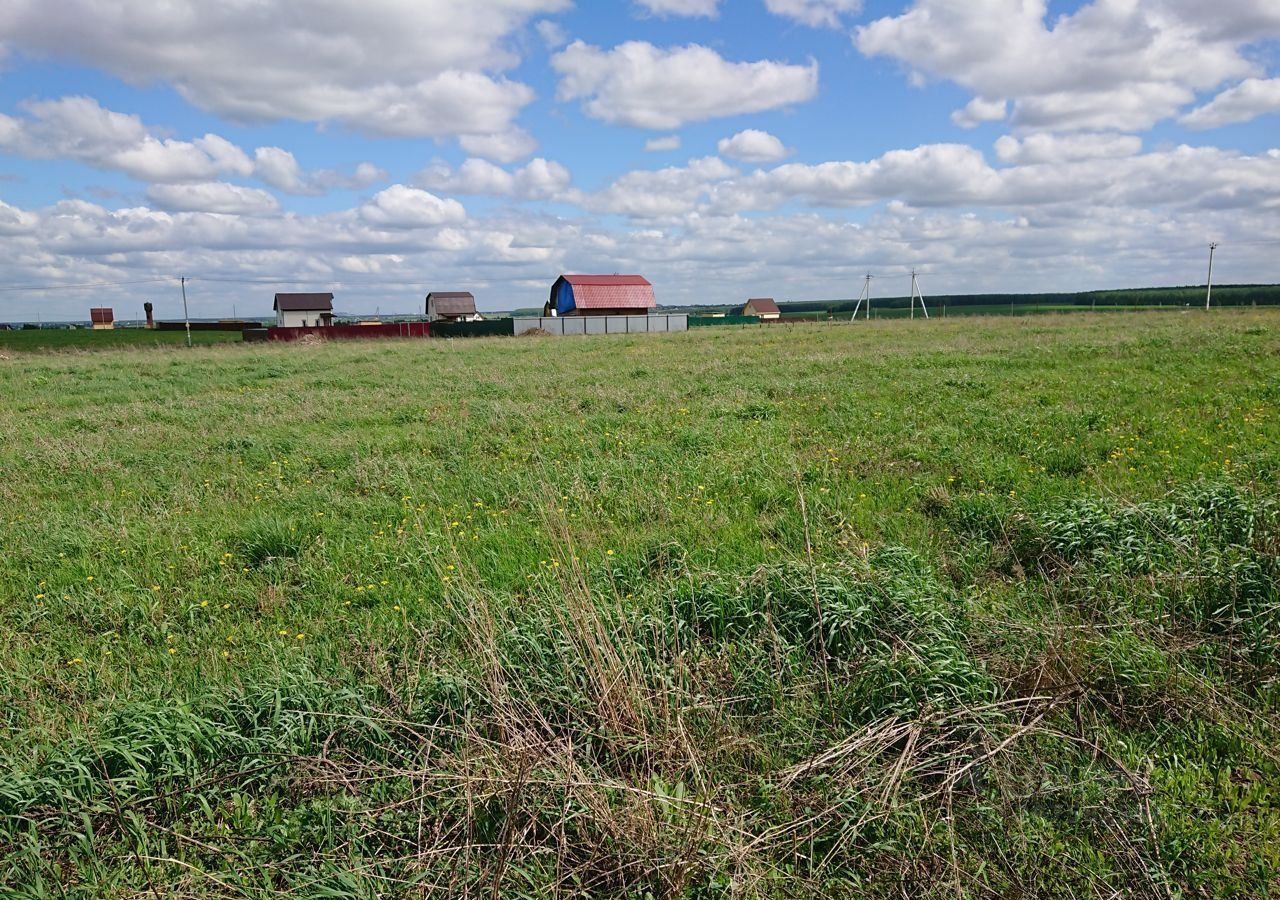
704, 321
487, 328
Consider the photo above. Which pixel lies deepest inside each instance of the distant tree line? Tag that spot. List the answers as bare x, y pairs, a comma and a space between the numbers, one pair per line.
1226, 295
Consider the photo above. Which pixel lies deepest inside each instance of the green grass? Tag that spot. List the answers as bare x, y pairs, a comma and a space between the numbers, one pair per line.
962, 608
39, 340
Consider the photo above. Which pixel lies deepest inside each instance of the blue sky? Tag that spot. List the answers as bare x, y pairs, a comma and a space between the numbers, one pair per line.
724, 148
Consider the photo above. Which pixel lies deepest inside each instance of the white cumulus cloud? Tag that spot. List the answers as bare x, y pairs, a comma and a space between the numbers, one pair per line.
753, 146
1246, 101
421, 68
663, 193
980, 110
645, 86
814, 13
504, 147
664, 144
1055, 148
704, 8
404, 207
212, 197
80, 129
540, 179
280, 169
1109, 65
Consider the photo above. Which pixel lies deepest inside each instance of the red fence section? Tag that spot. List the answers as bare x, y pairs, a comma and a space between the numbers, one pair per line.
353, 332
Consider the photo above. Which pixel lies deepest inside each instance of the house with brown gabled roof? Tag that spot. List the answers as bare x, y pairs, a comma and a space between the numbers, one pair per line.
452, 306
304, 310
103, 318
763, 308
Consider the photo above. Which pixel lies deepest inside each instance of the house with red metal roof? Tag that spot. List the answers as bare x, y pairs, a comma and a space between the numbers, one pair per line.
600, 295
103, 318
764, 308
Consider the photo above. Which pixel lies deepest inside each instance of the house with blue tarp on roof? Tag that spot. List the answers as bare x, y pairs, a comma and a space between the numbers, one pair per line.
600, 295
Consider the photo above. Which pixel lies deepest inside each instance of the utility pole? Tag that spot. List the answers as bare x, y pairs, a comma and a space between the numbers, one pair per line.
1208, 296
865, 296
185, 317
916, 292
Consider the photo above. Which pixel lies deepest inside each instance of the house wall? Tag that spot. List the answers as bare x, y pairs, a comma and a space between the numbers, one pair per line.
434, 316
303, 319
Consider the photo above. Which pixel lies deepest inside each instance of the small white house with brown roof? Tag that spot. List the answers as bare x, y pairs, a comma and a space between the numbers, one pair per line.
764, 308
304, 310
452, 306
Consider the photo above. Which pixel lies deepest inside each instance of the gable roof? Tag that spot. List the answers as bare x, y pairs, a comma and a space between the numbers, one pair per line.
763, 305
607, 280
304, 302
100, 315
453, 303
610, 291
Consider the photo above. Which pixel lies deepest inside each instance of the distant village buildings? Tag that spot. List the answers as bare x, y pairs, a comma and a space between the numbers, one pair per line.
304, 310
452, 306
600, 295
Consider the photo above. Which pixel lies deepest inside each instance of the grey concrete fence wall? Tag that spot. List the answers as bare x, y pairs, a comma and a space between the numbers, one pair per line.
573, 325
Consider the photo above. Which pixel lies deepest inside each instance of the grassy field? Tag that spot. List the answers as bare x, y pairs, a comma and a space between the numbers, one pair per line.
983, 607
44, 339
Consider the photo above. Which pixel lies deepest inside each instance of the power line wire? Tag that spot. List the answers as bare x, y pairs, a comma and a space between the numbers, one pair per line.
85, 286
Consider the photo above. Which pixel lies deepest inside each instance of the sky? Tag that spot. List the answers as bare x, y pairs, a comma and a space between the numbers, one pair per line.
723, 148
